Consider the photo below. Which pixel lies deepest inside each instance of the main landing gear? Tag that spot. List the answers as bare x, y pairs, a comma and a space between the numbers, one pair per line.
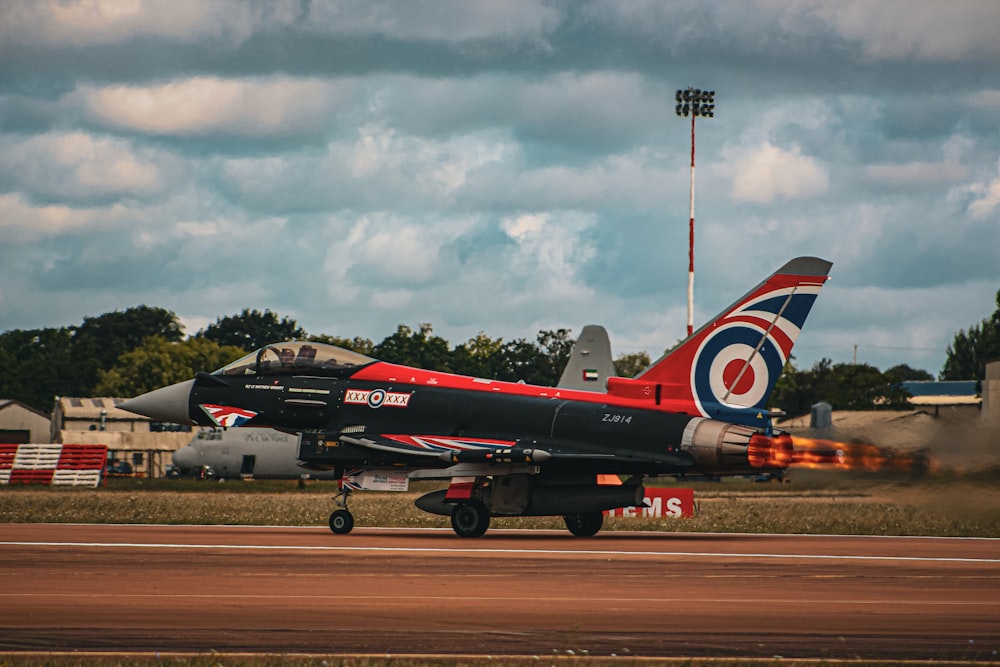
586, 524
342, 521
470, 519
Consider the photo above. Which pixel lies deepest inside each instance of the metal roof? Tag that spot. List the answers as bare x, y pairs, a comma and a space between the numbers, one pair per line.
73, 407
941, 388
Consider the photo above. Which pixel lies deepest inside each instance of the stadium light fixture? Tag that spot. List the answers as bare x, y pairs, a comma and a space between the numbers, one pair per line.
693, 102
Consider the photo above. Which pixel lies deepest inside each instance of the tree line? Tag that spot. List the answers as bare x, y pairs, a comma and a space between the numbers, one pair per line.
125, 353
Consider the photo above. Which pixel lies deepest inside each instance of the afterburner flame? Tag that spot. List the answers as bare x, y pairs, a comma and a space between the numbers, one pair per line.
832, 455
770, 451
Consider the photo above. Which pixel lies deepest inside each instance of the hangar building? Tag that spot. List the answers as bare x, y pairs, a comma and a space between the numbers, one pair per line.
138, 441
21, 424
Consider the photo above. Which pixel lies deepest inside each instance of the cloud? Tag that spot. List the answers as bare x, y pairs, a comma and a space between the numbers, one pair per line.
899, 29
230, 23
394, 252
916, 173
204, 106
39, 23
21, 222
79, 167
765, 173
396, 263
458, 21
358, 171
496, 166
551, 247
847, 315
988, 199
988, 100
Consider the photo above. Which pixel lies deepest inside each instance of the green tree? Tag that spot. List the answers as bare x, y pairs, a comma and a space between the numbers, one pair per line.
159, 362
415, 348
630, 365
556, 346
861, 387
971, 350
356, 344
524, 361
843, 386
904, 373
39, 364
252, 329
480, 356
796, 391
106, 337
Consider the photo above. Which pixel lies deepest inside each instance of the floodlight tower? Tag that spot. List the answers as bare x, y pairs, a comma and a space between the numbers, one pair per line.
693, 102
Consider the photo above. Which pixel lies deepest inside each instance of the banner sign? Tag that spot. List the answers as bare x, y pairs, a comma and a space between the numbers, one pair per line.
376, 480
661, 502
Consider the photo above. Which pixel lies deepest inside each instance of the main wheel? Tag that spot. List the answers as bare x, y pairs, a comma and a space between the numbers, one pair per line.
584, 525
470, 519
341, 522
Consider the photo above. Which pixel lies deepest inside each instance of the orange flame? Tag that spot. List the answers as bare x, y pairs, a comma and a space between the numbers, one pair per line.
833, 455
770, 452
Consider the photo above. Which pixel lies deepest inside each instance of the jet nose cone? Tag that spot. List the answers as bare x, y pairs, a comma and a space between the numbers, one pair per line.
168, 404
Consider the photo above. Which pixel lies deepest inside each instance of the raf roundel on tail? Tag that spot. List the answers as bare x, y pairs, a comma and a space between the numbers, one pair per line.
734, 360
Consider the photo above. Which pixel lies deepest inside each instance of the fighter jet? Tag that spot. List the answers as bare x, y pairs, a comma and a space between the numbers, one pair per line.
513, 449
264, 453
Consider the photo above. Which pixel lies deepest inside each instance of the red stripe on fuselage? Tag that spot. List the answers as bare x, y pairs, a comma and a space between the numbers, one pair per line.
398, 376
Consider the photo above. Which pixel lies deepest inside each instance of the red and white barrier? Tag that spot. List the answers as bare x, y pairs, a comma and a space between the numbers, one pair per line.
63, 465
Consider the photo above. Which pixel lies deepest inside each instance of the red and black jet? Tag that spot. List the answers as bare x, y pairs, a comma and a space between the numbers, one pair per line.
514, 449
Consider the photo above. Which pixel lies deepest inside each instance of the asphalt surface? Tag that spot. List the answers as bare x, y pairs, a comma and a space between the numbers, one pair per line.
399, 591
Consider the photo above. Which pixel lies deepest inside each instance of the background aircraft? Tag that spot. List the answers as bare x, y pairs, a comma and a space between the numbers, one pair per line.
264, 453
521, 450
260, 453
590, 362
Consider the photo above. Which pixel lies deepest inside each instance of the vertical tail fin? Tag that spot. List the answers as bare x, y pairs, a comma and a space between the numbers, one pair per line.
590, 363
733, 361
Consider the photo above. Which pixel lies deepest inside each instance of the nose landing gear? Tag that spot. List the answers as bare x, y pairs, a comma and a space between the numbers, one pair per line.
341, 520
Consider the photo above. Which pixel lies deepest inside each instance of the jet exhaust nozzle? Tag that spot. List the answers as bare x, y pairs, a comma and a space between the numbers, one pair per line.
719, 446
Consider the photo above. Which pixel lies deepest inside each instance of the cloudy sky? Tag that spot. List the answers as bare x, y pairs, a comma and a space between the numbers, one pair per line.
502, 166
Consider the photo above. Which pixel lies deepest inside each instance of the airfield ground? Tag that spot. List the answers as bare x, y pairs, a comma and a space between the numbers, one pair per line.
815, 502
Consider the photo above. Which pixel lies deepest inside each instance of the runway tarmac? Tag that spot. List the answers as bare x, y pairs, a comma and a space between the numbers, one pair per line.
419, 591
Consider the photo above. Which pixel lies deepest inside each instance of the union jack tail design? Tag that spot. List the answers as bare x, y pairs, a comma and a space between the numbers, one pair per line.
733, 361
227, 416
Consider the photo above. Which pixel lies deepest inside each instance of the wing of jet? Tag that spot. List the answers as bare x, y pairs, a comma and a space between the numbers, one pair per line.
512, 449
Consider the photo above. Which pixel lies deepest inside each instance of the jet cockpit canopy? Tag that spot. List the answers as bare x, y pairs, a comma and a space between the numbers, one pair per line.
296, 357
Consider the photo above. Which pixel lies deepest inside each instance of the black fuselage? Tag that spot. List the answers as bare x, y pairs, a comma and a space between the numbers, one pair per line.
325, 408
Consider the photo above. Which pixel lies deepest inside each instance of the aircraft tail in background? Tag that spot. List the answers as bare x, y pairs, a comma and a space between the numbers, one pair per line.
590, 363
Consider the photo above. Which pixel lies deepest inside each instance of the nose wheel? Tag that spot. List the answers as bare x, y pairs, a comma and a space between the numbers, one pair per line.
341, 520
